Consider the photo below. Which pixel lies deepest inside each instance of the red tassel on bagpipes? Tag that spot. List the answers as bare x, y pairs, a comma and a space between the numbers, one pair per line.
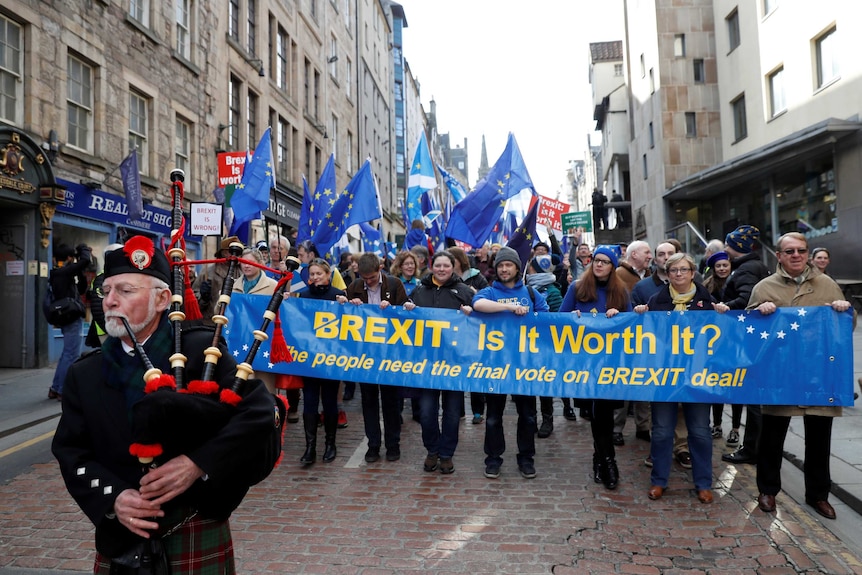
190, 302
278, 351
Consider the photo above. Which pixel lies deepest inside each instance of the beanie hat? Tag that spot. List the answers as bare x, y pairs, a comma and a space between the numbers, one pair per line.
542, 264
138, 256
717, 256
610, 251
262, 245
507, 254
742, 239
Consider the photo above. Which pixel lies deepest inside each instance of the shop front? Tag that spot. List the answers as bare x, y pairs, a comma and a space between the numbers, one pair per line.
283, 213
28, 198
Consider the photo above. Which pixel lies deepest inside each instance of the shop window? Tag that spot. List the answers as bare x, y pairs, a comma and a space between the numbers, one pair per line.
809, 206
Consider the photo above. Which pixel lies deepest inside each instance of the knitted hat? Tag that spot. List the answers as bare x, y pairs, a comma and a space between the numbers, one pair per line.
262, 246
610, 251
542, 264
507, 254
717, 256
138, 256
742, 239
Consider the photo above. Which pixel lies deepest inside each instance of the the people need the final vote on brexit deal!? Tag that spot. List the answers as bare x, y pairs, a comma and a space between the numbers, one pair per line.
600, 290
681, 294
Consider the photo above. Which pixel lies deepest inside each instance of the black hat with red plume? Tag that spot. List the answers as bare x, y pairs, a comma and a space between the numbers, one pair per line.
138, 256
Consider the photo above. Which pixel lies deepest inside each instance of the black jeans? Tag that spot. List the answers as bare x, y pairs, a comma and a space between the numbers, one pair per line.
495, 442
373, 396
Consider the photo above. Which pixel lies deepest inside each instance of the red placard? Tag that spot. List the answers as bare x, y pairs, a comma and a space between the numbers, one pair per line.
549, 213
230, 165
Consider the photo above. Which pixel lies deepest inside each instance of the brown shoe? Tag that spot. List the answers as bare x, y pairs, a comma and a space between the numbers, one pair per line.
655, 492
823, 508
704, 496
766, 503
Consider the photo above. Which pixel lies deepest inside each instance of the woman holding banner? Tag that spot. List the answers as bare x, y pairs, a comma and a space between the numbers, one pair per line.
441, 289
600, 290
681, 294
314, 389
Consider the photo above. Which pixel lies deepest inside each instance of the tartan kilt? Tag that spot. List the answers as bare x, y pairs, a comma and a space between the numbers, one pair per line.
199, 547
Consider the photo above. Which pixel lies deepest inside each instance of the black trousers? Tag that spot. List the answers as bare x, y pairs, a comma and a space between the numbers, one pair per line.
818, 449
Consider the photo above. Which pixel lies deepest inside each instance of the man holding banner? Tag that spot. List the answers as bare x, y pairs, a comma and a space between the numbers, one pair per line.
796, 284
509, 294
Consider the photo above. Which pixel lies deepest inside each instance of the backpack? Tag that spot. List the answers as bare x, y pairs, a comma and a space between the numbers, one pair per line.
61, 312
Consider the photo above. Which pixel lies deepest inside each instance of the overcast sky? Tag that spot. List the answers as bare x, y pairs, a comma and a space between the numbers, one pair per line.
500, 66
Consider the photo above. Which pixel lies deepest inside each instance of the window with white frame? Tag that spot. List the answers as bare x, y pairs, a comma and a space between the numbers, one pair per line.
252, 28
346, 13
139, 128
184, 29
333, 136
233, 19
827, 57
182, 146
690, 125
282, 43
699, 71
333, 57
251, 120
348, 152
140, 11
11, 63
79, 104
733, 37
777, 101
283, 150
348, 72
316, 109
740, 123
679, 45
234, 112
306, 84
618, 69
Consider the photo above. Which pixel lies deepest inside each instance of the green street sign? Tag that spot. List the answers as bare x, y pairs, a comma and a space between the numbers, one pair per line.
573, 220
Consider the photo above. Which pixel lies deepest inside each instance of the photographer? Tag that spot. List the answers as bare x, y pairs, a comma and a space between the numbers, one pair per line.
68, 281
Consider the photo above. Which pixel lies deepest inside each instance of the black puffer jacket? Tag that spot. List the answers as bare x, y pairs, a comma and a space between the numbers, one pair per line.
451, 295
662, 301
746, 271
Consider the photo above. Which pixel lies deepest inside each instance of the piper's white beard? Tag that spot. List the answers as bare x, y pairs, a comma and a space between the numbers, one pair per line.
114, 325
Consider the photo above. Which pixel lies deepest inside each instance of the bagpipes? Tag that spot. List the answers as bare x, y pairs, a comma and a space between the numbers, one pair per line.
175, 417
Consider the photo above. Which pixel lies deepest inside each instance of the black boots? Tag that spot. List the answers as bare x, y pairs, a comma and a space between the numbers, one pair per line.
309, 421
547, 427
330, 425
608, 472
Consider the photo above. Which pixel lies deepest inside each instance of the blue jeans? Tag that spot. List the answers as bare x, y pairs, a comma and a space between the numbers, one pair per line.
437, 438
71, 351
373, 396
664, 417
495, 442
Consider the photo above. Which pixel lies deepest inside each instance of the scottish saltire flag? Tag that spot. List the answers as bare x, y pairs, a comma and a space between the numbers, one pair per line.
355, 204
258, 178
306, 221
525, 235
475, 216
391, 250
455, 188
132, 185
342, 245
432, 216
372, 240
421, 179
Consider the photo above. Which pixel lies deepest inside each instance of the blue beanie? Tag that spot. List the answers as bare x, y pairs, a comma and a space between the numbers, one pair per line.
742, 239
610, 251
717, 256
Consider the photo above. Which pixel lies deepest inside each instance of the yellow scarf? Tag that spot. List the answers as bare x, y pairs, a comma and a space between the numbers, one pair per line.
680, 300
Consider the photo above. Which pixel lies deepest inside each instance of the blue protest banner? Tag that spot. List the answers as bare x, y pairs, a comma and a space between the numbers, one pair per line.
796, 356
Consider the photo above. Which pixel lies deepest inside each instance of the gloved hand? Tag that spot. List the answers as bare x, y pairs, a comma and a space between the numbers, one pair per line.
206, 290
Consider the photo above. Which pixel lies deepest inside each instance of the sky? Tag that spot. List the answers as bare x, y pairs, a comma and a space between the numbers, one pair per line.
500, 66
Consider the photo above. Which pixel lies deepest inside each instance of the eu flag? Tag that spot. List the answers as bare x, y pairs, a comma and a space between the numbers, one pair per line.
525, 234
355, 204
474, 217
323, 192
421, 179
258, 178
303, 231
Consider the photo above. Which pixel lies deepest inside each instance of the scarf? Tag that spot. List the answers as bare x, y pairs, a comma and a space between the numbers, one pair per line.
125, 372
248, 284
540, 280
681, 300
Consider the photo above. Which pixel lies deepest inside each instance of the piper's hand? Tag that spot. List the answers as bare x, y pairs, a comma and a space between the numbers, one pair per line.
167, 481
409, 305
136, 513
767, 308
840, 305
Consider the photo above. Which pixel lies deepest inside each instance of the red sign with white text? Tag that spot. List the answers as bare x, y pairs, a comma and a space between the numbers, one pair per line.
549, 213
230, 165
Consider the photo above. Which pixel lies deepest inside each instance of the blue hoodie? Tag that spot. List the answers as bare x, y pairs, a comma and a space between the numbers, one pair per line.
519, 294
